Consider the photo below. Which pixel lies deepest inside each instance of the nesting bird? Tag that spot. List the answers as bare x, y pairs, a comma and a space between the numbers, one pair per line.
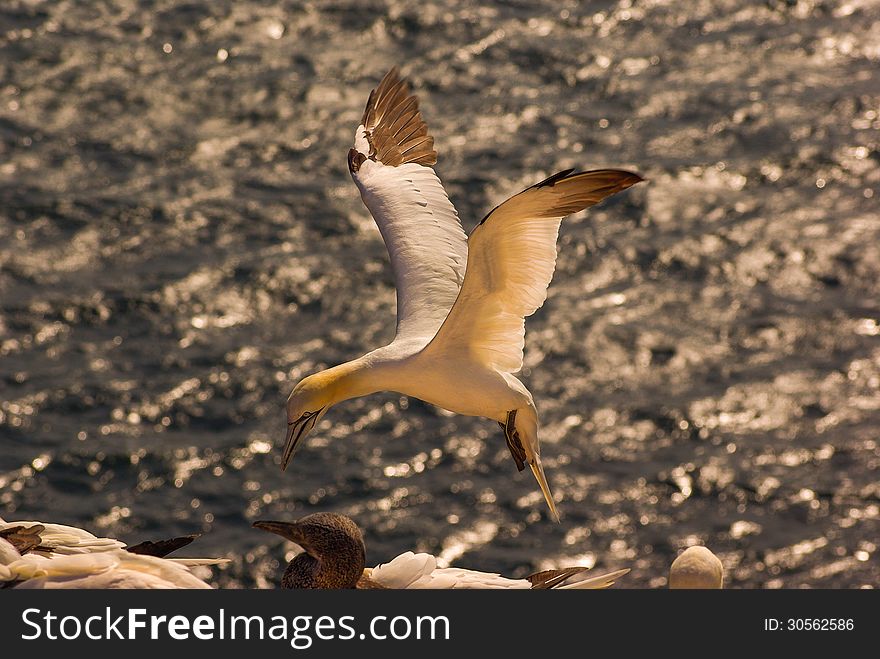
334, 557
696, 568
461, 301
51, 556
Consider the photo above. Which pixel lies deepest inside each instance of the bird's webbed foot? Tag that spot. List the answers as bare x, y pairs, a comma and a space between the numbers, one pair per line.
513, 441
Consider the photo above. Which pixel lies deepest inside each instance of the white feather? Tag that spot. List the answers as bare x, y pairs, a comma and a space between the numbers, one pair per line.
65, 540
404, 570
360, 140
426, 243
511, 259
8, 554
79, 559
114, 568
417, 571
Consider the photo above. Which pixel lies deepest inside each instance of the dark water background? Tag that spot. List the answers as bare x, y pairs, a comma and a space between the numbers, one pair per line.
180, 242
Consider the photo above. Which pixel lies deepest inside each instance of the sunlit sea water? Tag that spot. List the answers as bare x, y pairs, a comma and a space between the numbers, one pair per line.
180, 242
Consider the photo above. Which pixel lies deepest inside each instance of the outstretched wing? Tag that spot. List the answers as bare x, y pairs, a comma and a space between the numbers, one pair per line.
391, 165
511, 258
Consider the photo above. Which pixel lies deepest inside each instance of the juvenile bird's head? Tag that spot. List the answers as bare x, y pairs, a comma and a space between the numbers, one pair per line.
306, 405
334, 553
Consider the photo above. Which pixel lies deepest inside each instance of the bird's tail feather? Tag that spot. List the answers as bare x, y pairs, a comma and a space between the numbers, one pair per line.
198, 562
599, 581
538, 471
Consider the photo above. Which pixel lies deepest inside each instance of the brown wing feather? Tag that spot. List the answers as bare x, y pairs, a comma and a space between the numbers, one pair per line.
396, 132
566, 192
24, 538
365, 583
552, 578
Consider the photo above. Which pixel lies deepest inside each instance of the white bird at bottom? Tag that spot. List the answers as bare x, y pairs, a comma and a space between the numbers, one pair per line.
696, 568
37, 555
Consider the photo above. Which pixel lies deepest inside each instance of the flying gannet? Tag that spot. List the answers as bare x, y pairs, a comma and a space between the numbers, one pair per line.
696, 568
334, 557
461, 301
51, 556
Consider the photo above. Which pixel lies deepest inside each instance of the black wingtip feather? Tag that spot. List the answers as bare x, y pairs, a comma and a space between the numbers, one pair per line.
161, 548
621, 180
551, 180
627, 178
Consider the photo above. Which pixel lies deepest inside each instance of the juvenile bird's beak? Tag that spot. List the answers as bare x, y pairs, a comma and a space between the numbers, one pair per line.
297, 430
284, 529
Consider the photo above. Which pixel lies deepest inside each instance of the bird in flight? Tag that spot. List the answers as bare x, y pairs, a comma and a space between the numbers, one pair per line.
461, 301
333, 557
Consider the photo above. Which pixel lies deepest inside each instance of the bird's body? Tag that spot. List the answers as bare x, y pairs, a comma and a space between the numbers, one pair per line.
51, 556
461, 301
420, 571
334, 557
437, 379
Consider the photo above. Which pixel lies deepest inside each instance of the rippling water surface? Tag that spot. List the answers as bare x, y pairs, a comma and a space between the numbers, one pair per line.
180, 242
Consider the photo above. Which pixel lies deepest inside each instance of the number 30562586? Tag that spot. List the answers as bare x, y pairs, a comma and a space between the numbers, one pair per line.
809, 624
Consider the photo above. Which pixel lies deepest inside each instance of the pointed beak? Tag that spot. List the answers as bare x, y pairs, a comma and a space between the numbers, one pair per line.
284, 529
290, 443
296, 431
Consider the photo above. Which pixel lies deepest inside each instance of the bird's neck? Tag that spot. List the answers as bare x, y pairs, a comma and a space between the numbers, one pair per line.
302, 572
306, 571
359, 377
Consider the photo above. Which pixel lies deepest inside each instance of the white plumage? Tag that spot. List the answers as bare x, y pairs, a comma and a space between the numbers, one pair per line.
66, 540
111, 568
426, 244
70, 557
418, 571
696, 568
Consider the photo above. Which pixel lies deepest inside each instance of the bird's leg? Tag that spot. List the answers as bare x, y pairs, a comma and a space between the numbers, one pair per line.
513, 441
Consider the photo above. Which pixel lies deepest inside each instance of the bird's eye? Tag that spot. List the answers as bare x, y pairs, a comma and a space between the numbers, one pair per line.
306, 415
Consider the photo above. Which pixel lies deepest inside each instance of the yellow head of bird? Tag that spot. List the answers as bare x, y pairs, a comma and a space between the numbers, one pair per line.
306, 405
